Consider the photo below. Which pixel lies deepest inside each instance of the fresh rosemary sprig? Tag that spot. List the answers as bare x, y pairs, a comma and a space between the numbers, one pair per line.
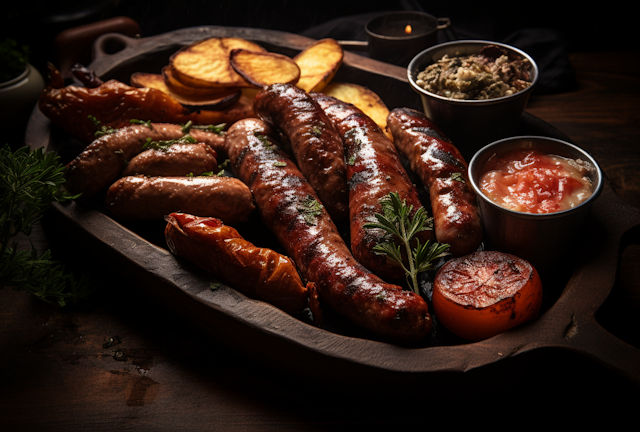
397, 222
29, 182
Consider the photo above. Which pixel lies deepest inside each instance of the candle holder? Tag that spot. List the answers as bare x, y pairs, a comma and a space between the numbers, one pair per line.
397, 37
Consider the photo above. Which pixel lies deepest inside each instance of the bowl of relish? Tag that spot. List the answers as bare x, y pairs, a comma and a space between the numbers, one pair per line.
534, 195
475, 91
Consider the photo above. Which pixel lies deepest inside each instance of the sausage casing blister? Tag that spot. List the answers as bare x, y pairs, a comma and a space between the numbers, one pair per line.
259, 273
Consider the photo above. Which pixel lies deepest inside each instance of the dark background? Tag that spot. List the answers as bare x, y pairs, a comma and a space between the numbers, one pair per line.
582, 28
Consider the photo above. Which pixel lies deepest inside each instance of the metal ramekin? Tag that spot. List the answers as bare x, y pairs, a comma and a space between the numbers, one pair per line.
542, 239
471, 124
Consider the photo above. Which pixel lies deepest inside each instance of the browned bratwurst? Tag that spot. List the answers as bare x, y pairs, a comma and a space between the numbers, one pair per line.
104, 160
373, 172
291, 209
179, 159
149, 198
443, 170
316, 145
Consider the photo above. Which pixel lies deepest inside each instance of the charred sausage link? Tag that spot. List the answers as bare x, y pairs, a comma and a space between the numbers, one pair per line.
115, 103
148, 198
373, 171
219, 249
104, 160
291, 209
316, 145
443, 171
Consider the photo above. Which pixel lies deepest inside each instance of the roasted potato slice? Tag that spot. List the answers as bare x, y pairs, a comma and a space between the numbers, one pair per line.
189, 92
318, 64
264, 68
207, 64
363, 98
213, 101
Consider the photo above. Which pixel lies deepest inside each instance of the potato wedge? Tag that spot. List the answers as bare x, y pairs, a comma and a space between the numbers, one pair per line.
264, 68
213, 101
206, 63
318, 64
363, 98
189, 92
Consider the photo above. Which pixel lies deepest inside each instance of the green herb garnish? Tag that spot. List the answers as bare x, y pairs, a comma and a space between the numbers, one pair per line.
204, 174
316, 131
397, 222
457, 177
146, 123
164, 145
264, 140
219, 128
310, 209
29, 182
102, 130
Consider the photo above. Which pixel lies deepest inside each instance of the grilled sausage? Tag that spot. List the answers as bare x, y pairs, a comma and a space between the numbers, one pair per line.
149, 198
290, 208
114, 104
316, 145
443, 171
179, 159
104, 160
373, 172
259, 273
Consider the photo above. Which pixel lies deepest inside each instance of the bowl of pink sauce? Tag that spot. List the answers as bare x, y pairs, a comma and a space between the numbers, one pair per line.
534, 194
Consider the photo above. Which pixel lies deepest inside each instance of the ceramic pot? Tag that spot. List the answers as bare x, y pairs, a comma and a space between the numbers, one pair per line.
18, 97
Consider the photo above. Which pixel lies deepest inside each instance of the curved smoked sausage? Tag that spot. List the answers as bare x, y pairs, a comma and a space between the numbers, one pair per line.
291, 209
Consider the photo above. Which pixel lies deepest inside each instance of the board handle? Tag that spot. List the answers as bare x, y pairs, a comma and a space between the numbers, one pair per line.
73, 45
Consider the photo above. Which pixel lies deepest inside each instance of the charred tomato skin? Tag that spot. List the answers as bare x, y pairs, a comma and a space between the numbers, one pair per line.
486, 293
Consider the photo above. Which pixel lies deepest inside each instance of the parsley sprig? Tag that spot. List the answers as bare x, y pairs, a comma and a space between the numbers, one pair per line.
29, 182
398, 224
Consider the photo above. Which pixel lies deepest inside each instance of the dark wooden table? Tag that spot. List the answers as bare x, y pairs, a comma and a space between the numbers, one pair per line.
120, 363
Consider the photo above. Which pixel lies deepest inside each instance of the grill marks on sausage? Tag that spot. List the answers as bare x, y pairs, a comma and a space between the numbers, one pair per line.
318, 250
429, 131
316, 145
374, 171
443, 171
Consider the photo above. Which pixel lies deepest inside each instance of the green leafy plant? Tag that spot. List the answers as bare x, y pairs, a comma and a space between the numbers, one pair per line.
397, 223
14, 59
29, 182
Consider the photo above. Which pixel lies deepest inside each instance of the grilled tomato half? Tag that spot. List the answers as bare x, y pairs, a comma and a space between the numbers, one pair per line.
480, 295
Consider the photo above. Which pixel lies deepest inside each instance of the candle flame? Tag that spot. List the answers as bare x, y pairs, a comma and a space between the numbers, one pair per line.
407, 29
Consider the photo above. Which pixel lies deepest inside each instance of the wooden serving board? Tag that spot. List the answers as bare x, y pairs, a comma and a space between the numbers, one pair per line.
338, 351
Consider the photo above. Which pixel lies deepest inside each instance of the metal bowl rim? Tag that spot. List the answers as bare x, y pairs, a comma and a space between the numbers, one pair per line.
427, 94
